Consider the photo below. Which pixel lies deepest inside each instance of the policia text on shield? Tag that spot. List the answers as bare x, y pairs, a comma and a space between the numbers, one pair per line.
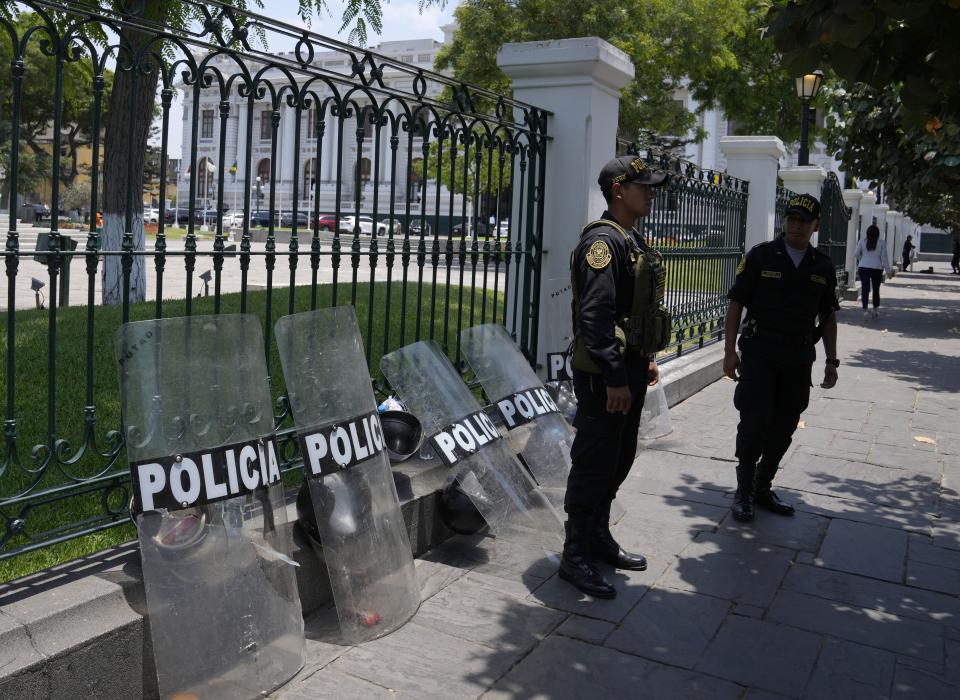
786, 285
619, 323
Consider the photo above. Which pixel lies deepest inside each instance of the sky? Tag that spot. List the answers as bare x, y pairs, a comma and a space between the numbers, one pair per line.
401, 20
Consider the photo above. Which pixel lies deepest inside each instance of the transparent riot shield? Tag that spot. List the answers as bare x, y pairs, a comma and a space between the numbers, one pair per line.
362, 531
467, 441
536, 430
221, 590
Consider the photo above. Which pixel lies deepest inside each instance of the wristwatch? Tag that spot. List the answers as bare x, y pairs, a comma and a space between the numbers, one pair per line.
832, 361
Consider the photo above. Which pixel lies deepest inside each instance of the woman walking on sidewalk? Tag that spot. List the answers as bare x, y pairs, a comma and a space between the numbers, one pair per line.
871, 262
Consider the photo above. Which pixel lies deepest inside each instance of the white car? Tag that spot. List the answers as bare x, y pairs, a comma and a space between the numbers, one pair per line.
386, 225
233, 218
348, 223
151, 215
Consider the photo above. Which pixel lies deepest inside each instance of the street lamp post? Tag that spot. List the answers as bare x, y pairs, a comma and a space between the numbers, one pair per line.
807, 88
259, 197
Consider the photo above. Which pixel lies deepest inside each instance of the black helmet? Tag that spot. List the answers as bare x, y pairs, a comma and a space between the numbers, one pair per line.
458, 512
402, 434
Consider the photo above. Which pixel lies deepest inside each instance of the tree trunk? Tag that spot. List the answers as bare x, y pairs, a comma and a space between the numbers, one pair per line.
127, 128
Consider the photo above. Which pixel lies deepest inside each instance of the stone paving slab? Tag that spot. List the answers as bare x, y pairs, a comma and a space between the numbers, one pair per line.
731, 568
566, 669
878, 552
871, 627
671, 626
850, 671
762, 655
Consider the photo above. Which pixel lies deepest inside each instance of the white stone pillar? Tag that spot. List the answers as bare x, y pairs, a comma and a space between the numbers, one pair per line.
880, 214
867, 205
852, 199
579, 81
755, 158
894, 238
805, 179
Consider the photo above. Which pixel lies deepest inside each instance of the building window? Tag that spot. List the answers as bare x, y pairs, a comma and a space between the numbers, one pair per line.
308, 181
423, 58
407, 58
266, 124
312, 124
206, 124
263, 171
362, 170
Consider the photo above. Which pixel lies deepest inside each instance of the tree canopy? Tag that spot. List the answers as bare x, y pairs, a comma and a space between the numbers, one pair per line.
712, 47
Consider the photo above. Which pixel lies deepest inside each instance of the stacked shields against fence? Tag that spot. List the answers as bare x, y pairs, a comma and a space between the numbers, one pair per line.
535, 428
357, 527
466, 440
220, 586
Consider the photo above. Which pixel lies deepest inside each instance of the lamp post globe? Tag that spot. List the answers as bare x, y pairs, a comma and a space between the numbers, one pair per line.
808, 87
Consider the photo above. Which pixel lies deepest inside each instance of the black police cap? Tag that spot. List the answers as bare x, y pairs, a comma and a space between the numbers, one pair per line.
806, 206
630, 169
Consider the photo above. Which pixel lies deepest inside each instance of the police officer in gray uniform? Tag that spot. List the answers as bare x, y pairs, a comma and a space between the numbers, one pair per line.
786, 286
619, 323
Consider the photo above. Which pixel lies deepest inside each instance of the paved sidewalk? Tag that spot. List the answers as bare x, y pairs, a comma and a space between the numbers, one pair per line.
855, 597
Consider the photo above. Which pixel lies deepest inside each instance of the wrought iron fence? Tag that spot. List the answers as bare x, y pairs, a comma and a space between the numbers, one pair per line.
316, 175
834, 219
783, 197
698, 223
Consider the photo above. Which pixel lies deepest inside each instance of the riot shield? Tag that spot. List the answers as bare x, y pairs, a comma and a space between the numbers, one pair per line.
220, 586
362, 532
536, 430
466, 440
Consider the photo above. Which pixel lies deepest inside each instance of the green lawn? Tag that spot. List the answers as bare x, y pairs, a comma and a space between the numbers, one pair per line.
32, 388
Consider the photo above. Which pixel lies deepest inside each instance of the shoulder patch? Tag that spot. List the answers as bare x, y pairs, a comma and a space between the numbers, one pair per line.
599, 255
818, 279
742, 265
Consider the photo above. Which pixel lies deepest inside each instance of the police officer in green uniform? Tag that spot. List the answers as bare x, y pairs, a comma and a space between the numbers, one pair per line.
786, 286
619, 324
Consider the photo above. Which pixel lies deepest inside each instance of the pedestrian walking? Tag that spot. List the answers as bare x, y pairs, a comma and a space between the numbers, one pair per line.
955, 260
907, 254
786, 287
871, 257
619, 324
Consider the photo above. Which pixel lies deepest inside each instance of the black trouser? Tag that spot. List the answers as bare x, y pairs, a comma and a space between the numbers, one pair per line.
770, 398
604, 447
906, 261
955, 261
870, 276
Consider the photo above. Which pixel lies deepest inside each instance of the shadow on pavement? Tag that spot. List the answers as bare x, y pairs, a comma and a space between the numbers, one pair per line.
924, 369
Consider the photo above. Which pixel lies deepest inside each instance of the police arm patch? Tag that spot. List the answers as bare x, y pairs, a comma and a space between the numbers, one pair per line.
743, 264
599, 255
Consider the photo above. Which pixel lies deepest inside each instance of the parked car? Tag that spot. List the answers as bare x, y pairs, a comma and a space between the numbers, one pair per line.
327, 222
482, 230
286, 219
389, 225
233, 218
182, 216
262, 218
151, 215
349, 223
417, 226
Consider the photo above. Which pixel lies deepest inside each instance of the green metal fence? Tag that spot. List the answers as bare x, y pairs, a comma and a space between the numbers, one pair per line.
698, 222
834, 220
319, 133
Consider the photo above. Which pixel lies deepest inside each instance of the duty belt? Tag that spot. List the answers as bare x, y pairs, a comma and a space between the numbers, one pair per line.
752, 329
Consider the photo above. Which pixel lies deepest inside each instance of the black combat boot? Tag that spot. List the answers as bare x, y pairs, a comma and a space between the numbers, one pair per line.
576, 566
605, 549
765, 497
743, 499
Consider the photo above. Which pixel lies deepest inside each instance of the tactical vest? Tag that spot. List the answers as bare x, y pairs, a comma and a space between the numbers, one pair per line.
647, 329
